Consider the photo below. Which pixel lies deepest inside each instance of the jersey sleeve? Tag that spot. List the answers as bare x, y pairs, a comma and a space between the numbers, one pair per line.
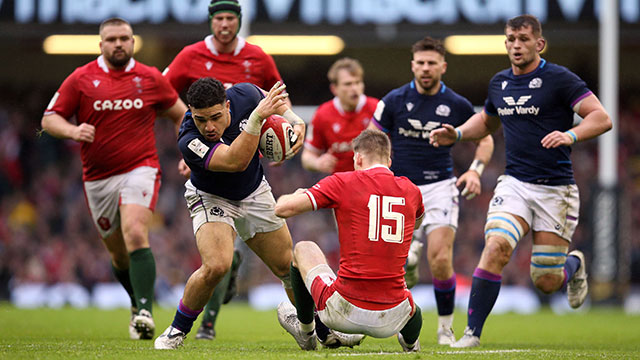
271, 75
177, 72
383, 116
250, 93
326, 193
572, 88
489, 107
167, 95
315, 138
66, 100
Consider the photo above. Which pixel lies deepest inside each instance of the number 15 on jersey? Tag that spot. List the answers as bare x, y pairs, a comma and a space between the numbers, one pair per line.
388, 233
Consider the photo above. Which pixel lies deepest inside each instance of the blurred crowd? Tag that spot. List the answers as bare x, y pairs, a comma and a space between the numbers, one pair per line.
46, 234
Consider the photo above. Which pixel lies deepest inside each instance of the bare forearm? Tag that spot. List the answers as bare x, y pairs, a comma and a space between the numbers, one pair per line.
593, 125
57, 126
477, 127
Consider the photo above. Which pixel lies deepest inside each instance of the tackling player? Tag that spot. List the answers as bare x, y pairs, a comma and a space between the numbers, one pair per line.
328, 148
407, 114
534, 101
376, 214
115, 101
229, 58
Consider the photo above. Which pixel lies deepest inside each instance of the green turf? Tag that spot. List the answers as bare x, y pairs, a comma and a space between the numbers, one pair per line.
244, 333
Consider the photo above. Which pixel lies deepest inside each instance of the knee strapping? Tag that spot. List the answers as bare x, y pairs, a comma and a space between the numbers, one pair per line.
286, 281
504, 225
547, 259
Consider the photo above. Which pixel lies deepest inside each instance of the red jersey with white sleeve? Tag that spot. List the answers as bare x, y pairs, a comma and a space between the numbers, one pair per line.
376, 214
332, 129
248, 63
122, 105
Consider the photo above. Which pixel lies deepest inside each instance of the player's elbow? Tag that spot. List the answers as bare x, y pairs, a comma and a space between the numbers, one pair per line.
607, 124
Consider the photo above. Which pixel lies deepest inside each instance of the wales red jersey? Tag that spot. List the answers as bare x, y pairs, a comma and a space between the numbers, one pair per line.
122, 105
332, 129
376, 213
248, 63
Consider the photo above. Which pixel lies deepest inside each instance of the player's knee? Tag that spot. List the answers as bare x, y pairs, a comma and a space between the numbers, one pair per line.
136, 238
503, 225
497, 251
440, 263
547, 267
213, 271
304, 247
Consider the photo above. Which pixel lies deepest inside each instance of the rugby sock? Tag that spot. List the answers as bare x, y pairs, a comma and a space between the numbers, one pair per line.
304, 301
322, 331
184, 318
213, 306
484, 293
142, 272
570, 267
411, 331
123, 277
445, 291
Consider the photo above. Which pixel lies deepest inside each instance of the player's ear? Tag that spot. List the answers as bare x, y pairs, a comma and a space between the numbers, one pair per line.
389, 163
332, 87
540, 44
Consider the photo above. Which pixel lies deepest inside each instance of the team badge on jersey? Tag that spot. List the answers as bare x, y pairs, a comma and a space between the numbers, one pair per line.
208, 65
443, 110
409, 106
504, 84
535, 83
96, 83
336, 128
198, 147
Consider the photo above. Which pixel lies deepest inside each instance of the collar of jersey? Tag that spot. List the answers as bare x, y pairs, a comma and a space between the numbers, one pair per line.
208, 41
543, 62
443, 87
105, 68
376, 166
361, 102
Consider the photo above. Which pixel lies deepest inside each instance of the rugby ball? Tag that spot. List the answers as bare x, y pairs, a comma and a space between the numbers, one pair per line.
276, 138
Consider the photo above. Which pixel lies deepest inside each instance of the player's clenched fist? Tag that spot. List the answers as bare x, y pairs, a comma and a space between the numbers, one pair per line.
84, 132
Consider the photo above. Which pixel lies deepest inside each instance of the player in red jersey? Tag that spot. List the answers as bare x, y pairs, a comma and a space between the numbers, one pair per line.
376, 213
229, 58
336, 122
115, 101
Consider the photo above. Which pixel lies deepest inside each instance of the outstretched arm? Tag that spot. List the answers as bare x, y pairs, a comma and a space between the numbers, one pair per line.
595, 121
293, 204
471, 178
477, 127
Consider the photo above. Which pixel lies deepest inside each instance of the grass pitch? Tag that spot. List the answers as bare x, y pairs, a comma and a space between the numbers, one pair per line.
244, 333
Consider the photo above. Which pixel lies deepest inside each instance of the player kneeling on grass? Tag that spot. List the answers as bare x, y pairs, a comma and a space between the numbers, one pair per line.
376, 214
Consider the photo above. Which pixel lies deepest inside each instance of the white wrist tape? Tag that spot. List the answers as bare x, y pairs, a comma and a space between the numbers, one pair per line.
292, 118
477, 166
254, 124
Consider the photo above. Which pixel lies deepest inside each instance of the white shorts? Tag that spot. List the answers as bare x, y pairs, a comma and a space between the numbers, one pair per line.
251, 215
550, 208
338, 313
104, 197
441, 206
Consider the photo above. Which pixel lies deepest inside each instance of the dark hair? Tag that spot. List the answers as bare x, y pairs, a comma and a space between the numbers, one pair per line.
351, 65
428, 43
373, 142
113, 21
525, 20
205, 93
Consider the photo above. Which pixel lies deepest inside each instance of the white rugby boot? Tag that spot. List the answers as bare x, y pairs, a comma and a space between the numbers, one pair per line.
288, 319
336, 339
143, 322
170, 339
412, 274
468, 340
446, 336
406, 347
577, 287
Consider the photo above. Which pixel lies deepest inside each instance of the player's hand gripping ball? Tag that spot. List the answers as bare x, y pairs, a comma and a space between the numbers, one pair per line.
276, 138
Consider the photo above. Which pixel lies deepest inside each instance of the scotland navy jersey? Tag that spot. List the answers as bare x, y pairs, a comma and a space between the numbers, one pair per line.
408, 117
530, 106
197, 151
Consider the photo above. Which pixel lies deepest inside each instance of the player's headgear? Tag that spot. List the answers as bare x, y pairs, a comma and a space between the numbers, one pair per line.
233, 6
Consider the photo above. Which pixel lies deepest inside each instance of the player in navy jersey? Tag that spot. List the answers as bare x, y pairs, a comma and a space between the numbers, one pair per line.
227, 193
535, 101
408, 114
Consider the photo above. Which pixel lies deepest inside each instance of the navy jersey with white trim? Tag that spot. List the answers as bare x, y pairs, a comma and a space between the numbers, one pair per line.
530, 106
197, 151
408, 117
